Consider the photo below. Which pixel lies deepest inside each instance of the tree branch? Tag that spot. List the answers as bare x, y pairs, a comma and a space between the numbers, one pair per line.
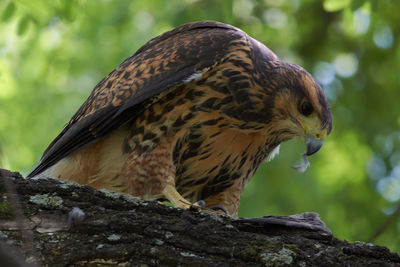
121, 229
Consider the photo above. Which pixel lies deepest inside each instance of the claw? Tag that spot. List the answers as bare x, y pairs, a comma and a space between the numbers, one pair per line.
218, 208
200, 203
175, 198
197, 206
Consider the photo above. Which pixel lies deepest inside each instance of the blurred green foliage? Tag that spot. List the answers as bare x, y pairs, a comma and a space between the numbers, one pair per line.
52, 53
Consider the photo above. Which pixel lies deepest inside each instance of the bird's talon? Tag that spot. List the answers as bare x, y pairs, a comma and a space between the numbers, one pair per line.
218, 208
200, 203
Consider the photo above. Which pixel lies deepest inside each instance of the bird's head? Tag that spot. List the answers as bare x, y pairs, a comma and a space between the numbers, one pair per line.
300, 107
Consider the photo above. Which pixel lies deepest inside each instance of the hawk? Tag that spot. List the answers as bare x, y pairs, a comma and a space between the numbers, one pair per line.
190, 116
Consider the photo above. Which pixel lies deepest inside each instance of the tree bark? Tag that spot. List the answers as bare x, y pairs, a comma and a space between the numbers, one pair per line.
50, 222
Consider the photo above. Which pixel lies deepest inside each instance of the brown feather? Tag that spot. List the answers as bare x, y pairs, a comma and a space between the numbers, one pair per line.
197, 109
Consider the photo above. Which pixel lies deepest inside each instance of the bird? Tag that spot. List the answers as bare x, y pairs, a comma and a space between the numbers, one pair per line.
189, 117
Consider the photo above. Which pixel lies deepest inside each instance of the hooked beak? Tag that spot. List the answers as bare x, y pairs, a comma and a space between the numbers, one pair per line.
313, 145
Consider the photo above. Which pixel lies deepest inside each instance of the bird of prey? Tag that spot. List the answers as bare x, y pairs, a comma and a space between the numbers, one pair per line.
190, 116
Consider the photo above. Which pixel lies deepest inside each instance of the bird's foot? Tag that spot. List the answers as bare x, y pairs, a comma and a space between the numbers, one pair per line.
176, 199
198, 205
219, 209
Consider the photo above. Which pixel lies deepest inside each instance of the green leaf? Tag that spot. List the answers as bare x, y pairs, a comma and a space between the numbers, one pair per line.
41, 11
8, 12
335, 5
23, 25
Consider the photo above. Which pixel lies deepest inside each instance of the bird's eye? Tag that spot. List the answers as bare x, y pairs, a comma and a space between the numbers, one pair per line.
306, 108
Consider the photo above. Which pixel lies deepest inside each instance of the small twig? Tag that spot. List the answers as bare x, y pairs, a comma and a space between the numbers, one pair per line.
385, 225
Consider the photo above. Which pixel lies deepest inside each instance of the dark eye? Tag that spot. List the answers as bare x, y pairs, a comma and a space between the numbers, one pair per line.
306, 108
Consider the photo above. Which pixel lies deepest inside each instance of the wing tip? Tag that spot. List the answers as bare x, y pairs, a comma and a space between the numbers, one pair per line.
37, 170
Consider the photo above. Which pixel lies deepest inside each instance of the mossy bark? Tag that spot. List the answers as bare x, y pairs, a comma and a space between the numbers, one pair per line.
37, 222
